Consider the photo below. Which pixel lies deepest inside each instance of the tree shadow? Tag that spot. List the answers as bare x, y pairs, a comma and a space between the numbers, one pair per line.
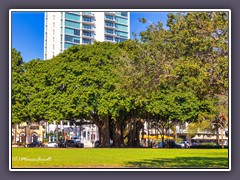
181, 162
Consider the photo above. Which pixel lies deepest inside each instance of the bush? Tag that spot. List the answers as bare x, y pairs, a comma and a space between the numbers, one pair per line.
208, 145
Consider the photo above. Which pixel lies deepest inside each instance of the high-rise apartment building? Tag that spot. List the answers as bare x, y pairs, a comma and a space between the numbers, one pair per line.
64, 29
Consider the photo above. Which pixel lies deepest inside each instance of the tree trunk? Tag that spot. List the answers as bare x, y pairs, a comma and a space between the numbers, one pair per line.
57, 132
99, 133
222, 138
105, 135
163, 134
217, 134
117, 136
134, 133
15, 134
176, 136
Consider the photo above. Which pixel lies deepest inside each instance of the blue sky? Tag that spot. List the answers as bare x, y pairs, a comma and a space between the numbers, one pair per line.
28, 30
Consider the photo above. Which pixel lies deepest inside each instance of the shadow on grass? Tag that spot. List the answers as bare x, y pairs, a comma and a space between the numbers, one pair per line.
181, 162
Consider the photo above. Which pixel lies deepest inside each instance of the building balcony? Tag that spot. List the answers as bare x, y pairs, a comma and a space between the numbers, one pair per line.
87, 36
108, 19
86, 43
123, 37
112, 41
88, 22
74, 12
86, 29
110, 13
88, 14
109, 34
72, 43
109, 27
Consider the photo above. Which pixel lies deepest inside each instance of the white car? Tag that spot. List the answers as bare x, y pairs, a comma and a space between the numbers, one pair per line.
51, 144
185, 144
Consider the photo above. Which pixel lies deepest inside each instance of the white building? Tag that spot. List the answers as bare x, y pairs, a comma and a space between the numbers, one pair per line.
87, 133
64, 29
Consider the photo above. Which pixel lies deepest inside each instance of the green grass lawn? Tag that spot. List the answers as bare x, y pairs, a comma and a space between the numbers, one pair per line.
118, 158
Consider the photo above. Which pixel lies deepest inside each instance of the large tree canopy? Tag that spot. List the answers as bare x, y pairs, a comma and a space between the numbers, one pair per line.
177, 74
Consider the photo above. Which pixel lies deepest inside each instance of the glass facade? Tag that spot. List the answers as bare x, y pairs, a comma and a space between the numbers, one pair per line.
119, 39
121, 27
73, 17
122, 34
72, 24
66, 45
124, 14
72, 39
70, 31
121, 20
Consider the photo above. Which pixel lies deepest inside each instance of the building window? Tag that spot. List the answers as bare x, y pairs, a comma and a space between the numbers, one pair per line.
119, 40
72, 24
87, 19
125, 14
109, 24
109, 31
72, 31
86, 41
109, 17
121, 27
108, 38
66, 45
122, 34
34, 127
85, 33
53, 24
121, 20
72, 17
72, 39
86, 26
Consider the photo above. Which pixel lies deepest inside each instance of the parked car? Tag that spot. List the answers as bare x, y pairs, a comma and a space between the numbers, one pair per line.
76, 138
184, 144
159, 145
61, 144
97, 143
172, 144
80, 144
34, 144
189, 143
72, 143
51, 144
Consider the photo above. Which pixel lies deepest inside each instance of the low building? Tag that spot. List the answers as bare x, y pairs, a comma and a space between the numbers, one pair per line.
27, 132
